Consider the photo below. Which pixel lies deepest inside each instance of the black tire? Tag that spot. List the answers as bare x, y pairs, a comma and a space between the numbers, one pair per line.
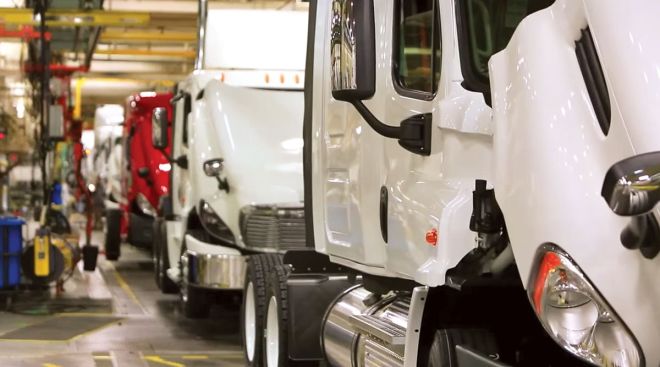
277, 294
167, 285
155, 251
443, 349
161, 259
258, 267
194, 301
113, 234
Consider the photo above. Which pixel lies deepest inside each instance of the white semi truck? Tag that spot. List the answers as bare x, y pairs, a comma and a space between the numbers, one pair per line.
480, 187
237, 179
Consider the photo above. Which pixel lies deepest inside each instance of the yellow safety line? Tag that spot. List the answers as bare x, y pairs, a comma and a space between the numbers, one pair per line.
127, 289
195, 357
50, 365
85, 314
159, 360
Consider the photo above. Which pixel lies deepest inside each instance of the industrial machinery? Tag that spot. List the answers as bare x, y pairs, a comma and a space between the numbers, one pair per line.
480, 187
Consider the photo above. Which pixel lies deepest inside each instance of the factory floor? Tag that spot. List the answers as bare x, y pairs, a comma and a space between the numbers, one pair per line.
113, 317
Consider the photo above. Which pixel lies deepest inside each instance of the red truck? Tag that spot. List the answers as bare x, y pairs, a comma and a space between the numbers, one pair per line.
145, 176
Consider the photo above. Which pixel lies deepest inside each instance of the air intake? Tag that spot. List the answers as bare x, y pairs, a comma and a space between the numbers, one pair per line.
592, 71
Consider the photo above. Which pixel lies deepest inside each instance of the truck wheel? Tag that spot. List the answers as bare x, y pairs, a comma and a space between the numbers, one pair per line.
253, 306
194, 303
165, 284
155, 252
275, 349
112, 234
443, 349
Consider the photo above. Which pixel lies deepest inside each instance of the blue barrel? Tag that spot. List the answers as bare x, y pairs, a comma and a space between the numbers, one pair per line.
11, 247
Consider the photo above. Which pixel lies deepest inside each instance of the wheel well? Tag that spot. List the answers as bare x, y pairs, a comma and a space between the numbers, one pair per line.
502, 308
193, 221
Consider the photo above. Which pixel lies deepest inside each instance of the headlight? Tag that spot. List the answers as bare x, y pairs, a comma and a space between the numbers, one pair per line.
214, 224
144, 205
575, 315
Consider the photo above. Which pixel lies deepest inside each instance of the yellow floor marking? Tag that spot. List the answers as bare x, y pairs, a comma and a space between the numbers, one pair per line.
84, 314
195, 357
50, 365
159, 360
103, 358
127, 289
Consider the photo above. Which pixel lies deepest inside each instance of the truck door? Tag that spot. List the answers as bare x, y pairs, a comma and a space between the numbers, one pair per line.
392, 176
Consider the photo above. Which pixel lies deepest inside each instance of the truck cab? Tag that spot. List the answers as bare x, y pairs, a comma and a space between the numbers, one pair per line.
455, 154
237, 185
144, 175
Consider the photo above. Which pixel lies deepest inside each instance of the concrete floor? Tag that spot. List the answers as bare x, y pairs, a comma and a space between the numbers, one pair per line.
149, 329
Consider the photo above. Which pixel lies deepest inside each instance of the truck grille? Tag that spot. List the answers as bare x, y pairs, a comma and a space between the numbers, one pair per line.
278, 227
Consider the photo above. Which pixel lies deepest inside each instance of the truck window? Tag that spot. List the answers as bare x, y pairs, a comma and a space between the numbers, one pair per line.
487, 28
417, 48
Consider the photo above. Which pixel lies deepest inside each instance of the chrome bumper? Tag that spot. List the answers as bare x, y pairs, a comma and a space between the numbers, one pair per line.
214, 271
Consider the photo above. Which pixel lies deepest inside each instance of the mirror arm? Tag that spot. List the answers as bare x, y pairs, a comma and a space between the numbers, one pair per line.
176, 98
414, 133
385, 130
223, 184
167, 156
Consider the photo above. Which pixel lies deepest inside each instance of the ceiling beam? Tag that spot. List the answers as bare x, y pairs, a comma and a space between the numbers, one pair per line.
110, 36
184, 54
98, 18
190, 6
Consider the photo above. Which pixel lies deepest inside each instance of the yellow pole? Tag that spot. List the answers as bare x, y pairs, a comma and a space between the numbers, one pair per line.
77, 99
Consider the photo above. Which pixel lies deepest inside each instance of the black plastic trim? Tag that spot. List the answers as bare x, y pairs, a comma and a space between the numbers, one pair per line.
200, 95
396, 38
592, 71
468, 357
382, 285
384, 196
307, 124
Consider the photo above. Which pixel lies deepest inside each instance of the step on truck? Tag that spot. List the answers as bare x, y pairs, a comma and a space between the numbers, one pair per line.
480, 187
144, 176
237, 178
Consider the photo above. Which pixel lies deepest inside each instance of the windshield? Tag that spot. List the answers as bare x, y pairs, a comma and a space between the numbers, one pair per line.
487, 28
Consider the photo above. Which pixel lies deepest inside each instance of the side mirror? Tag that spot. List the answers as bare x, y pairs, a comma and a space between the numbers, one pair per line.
159, 128
213, 167
143, 172
632, 189
632, 186
353, 48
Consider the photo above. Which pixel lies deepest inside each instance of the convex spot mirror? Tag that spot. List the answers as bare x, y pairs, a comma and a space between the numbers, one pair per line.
632, 186
159, 128
213, 167
353, 53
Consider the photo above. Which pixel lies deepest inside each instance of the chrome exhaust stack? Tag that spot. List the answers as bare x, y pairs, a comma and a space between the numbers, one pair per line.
362, 328
202, 14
